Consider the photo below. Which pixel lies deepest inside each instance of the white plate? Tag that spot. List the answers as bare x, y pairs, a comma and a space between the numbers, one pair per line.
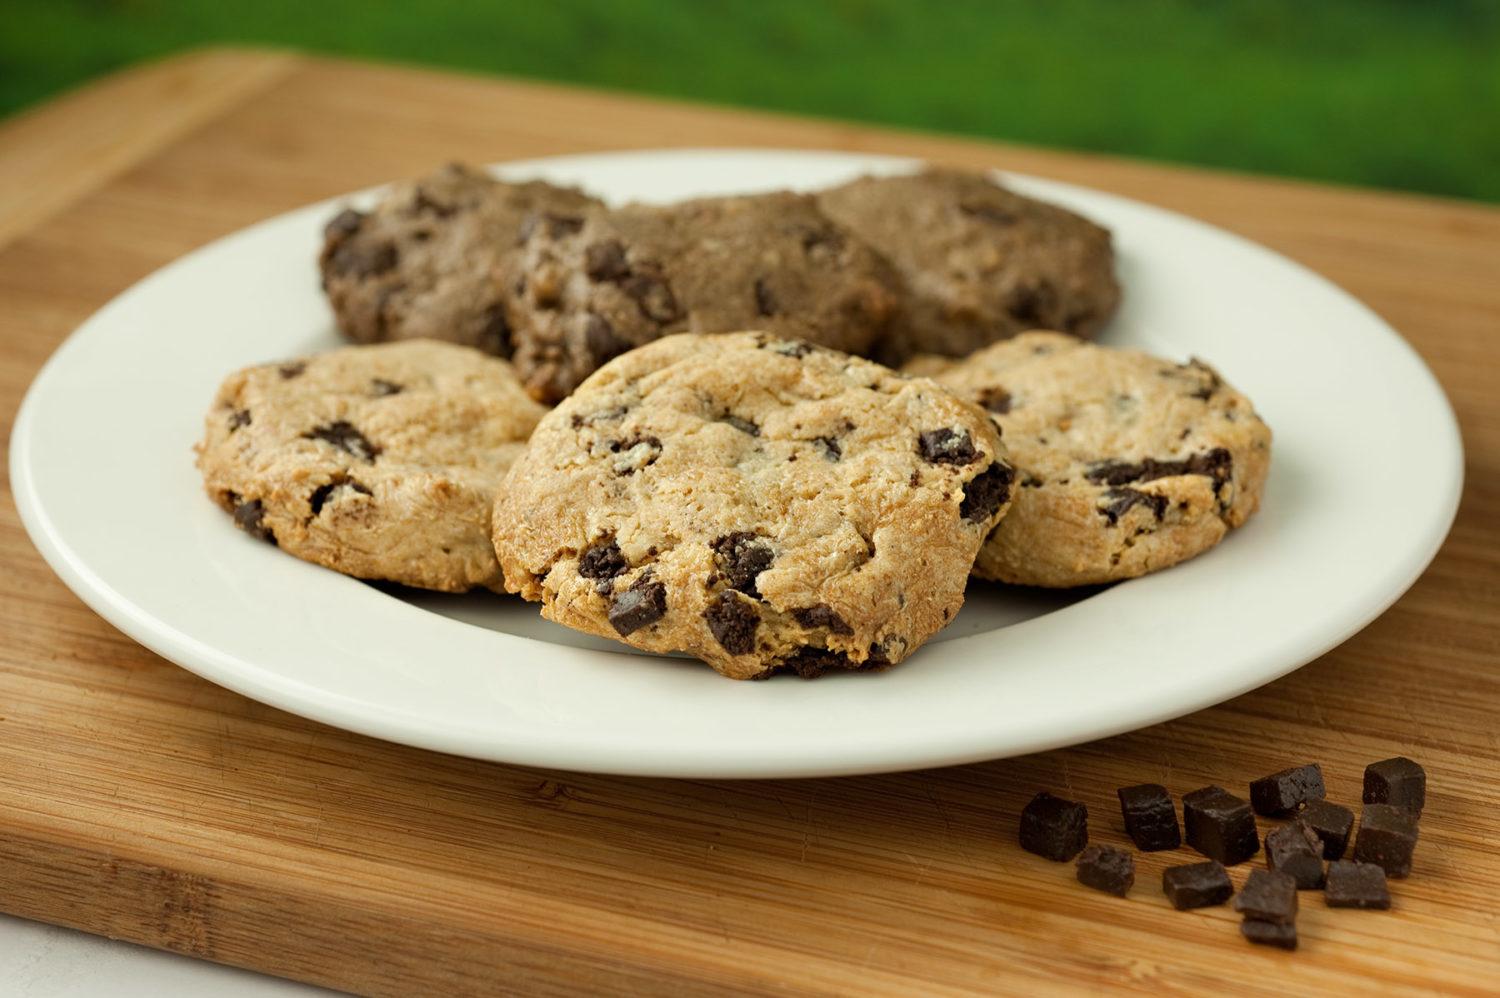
1364, 485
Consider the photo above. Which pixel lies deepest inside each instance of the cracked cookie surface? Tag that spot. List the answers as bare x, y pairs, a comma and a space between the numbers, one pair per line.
978, 262
588, 287
422, 263
759, 502
380, 462
1126, 463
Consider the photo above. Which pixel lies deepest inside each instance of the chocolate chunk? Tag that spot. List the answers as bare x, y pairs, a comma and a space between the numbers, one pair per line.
1214, 383
1027, 305
742, 556
1105, 868
603, 343
250, 517
788, 348
733, 621
653, 296
765, 301
822, 615
1268, 896
238, 418
946, 446
1387, 837
830, 447
605, 261
354, 258
636, 453
645, 602
822, 241
1219, 825
995, 399
1288, 791
602, 560
425, 204
381, 388
343, 225
1269, 933
1332, 825
1216, 464
990, 213
1196, 885
1055, 828
494, 334
810, 662
1150, 818
292, 369
1356, 885
742, 424
1296, 850
1120, 501
986, 492
345, 437
322, 492
556, 226
1397, 781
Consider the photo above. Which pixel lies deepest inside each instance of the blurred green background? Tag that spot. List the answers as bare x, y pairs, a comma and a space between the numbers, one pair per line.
1389, 93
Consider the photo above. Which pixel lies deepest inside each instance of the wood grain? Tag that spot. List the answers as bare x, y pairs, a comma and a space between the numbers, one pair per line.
138, 801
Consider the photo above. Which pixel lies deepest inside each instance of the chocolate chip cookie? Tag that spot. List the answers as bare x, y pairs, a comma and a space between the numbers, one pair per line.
589, 287
379, 461
762, 503
979, 263
1127, 463
422, 263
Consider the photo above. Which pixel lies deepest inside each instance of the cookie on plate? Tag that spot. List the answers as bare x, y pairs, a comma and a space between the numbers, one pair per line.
979, 263
1127, 463
378, 461
421, 265
761, 503
587, 290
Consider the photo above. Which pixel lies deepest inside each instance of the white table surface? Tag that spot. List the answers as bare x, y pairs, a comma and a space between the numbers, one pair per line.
44, 961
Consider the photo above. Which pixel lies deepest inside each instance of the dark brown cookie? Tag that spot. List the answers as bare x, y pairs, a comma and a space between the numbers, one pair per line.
421, 265
586, 290
979, 262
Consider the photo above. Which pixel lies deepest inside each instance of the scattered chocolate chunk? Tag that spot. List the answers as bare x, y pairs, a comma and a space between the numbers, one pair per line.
1027, 304
946, 446
995, 399
360, 259
1150, 818
342, 434
765, 301
238, 418
1265, 933
605, 261
1269, 896
822, 615
250, 517
320, 494
810, 662
788, 348
1054, 828
993, 214
1332, 823
1286, 792
494, 335
1296, 850
830, 447
425, 204
1387, 837
1196, 885
292, 369
653, 296
1399, 782
742, 556
742, 424
1107, 869
645, 602
1220, 825
732, 621
556, 226
601, 340
1216, 464
636, 453
1356, 885
343, 225
603, 560
1120, 501
381, 388
986, 492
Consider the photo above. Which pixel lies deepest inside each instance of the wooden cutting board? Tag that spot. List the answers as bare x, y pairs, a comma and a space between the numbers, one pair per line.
139, 801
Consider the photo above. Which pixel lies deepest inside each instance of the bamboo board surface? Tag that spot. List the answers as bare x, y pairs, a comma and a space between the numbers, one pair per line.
141, 802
